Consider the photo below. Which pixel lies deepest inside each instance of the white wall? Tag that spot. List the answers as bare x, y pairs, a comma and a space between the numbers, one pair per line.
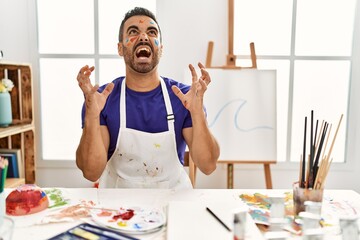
187, 26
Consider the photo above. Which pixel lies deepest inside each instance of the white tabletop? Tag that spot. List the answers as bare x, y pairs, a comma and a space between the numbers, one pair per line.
187, 215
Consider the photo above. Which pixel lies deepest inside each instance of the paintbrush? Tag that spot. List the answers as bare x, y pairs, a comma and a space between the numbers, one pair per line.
302, 182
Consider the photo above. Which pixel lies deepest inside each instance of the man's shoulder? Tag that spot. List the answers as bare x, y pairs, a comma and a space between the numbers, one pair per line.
170, 82
117, 83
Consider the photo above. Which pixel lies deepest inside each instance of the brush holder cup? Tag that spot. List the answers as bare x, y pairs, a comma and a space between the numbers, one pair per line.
301, 195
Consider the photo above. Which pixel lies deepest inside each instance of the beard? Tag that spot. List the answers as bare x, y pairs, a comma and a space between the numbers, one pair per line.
129, 58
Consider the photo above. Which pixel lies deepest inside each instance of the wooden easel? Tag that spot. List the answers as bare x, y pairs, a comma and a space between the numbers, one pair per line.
231, 64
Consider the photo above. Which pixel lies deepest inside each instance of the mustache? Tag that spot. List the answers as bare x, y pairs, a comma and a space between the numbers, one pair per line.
143, 44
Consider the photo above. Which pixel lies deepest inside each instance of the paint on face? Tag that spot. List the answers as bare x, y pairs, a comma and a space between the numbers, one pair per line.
144, 26
130, 40
156, 42
152, 22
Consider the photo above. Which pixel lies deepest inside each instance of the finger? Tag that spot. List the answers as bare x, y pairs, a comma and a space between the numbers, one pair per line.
108, 89
94, 89
193, 73
82, 70
180, 95
89, 71
83, 78
204, 74
203, 85
85, 70
178, 92
201, 65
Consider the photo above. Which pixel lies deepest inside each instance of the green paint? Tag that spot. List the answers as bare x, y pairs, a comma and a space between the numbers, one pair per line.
56, 197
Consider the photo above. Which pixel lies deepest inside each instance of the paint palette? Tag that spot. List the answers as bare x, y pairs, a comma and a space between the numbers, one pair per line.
133, 220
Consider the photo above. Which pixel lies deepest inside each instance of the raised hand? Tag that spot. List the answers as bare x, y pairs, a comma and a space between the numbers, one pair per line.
193, 99
94, 101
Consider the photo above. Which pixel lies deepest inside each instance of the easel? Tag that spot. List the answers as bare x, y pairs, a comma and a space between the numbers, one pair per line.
231, 64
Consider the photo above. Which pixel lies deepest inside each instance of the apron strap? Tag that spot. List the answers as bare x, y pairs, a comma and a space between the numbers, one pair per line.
170, 115
123, 105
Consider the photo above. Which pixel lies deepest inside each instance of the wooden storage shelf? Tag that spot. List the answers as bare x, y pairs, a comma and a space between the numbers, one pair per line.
20, 134
14, 182
15, 129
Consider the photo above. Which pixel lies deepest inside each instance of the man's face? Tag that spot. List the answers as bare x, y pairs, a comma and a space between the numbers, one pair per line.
141, 46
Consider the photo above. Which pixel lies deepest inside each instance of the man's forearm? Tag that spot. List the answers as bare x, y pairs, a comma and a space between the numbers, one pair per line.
205, 150
91, 155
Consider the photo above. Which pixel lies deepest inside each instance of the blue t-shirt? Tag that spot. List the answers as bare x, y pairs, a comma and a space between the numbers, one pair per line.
145, 111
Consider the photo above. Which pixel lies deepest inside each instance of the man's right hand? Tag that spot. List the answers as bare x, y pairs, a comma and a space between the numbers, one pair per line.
94, 101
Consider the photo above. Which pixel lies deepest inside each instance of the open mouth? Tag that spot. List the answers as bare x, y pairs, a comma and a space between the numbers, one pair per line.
143, 52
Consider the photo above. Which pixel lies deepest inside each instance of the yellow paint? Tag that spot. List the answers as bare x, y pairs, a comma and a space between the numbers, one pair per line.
122, 224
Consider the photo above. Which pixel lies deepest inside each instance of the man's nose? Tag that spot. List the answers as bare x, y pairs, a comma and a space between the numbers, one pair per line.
144, 37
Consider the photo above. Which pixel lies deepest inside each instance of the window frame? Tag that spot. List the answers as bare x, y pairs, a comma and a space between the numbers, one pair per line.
350, 124
348, 163
96, 57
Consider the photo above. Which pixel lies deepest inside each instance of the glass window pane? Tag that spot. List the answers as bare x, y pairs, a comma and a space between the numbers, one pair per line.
324, 27
266, 23
111, 13
111, 69
61, 103
321, 86
66, 26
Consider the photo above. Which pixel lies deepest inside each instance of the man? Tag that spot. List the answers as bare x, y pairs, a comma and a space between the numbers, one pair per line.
136, 128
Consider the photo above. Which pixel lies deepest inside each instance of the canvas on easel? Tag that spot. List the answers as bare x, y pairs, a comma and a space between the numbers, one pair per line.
241, 109
241, 113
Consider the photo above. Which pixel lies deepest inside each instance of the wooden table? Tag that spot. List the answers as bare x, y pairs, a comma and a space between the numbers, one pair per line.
186, 211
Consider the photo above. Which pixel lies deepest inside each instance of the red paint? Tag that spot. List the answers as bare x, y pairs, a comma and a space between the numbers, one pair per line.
125, 216
104, 214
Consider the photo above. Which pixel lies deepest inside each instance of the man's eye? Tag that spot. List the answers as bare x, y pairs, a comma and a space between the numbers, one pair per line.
132, 32
152, 33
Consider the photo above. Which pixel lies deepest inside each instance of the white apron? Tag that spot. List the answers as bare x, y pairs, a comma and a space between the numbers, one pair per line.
145, 160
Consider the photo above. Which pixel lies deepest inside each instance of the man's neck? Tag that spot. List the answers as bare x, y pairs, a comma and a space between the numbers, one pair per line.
142, 82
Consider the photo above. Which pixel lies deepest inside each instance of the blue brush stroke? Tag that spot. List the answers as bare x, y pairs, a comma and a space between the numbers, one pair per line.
137, 226
236, 117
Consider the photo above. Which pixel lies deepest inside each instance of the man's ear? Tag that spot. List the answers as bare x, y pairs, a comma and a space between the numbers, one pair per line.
120, 49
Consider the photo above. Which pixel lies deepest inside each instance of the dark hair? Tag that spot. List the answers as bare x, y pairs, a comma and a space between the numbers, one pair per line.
137, 11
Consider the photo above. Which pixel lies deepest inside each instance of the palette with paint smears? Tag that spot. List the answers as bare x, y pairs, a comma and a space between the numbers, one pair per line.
133, 220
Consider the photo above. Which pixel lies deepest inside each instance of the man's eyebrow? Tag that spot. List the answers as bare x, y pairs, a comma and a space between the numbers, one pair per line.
137, 28
132, 27
153, 28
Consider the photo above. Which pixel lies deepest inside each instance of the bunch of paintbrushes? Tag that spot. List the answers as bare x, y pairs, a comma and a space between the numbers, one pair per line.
314, 167
3, 172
